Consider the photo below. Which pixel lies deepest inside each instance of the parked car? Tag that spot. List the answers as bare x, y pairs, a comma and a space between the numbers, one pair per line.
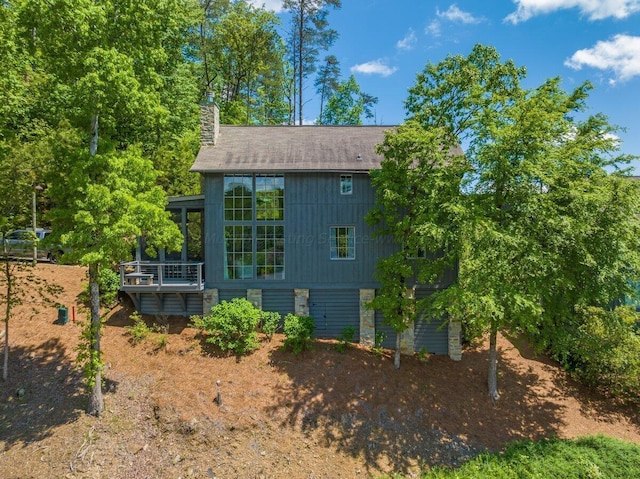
19, 244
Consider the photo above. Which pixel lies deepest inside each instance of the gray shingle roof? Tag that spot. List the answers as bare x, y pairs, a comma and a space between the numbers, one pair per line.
292, 148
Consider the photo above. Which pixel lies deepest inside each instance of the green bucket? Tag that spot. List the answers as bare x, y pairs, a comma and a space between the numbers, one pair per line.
63, 315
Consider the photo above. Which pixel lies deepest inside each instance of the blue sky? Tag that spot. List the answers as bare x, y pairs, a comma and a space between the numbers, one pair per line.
385, 43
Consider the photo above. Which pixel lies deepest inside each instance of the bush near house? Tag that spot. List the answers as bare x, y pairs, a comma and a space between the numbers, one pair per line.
270, 323
601, 347
299, 332
232, 325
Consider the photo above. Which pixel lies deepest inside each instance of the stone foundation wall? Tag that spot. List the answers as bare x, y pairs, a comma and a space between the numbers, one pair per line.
367, 318
455, 339
301, 299
254, 296
210, 298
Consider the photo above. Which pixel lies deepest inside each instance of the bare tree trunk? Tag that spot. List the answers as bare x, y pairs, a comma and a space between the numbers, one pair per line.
492, 380
300, 64
396, 358
96, 402
5, 367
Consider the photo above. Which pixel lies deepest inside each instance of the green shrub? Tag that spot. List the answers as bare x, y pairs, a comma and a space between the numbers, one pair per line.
232, 325
270, 323
379, 339
108, 285
605, 351
139, 331
299, 332
346, 337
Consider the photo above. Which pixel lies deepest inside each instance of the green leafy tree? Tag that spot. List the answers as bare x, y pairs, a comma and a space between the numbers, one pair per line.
543, 227
243, 55
418, 205
310, 33
103, 202
108, 65
327, 80
199, 45
347, 105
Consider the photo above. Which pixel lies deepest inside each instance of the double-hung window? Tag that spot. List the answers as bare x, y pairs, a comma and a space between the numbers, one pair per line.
254, 226
342, 242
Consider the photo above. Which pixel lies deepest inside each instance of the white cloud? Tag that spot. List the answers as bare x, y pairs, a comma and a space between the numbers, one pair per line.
454, 14
621, 54
375, 67
408, 42
594, 9
433, 28
274, 5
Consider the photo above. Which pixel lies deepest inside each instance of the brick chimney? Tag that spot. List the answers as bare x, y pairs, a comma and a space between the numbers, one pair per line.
209, 122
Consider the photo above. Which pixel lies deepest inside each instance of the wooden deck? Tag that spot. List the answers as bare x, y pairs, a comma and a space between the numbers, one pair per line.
144, 276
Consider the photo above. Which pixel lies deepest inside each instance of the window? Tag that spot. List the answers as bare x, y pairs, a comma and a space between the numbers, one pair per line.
253, 226
270, 252
270, 197
238, 198
239, 252
342, 242
346, 184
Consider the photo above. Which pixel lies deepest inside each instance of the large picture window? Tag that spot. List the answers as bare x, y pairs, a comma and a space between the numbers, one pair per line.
254, 226
342, 242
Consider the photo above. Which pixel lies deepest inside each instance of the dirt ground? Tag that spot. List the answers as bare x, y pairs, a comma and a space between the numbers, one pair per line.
321, 414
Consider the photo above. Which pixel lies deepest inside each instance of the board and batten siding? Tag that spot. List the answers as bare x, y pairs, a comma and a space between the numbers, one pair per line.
172, 305
429, 334
313, 204
279, 300
333, 310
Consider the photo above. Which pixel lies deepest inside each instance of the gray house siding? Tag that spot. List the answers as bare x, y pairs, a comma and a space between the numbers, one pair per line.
431, 335
170, 304
334, 310
278, 300
313, 204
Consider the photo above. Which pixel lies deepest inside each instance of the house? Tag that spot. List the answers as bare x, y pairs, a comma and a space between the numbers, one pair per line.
282, 222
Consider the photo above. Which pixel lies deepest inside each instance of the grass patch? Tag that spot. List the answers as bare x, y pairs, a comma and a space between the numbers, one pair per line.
586, 458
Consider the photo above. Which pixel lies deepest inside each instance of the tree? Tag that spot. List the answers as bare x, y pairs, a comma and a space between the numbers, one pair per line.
19, 285
309, 35
107, 65
243, 60
543, 227
347, 105
199, 46
327, 80
103, 203
415, 166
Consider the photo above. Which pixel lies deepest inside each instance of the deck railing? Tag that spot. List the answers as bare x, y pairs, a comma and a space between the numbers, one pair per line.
161, 275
